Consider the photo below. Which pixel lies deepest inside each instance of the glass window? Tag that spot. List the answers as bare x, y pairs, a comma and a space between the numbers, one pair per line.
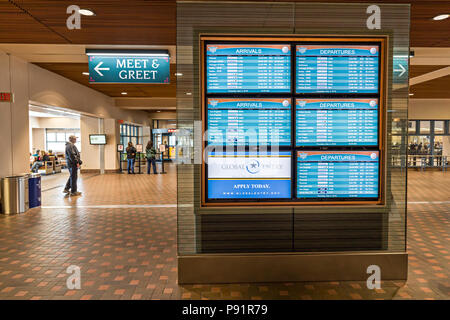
61, 136
439, 127
425, 126
412, 126
397, 125
419, 145
51, 136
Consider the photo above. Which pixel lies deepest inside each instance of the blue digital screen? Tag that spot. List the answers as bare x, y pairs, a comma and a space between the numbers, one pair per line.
337, 174
248, 68
249, 175
249, 121
336, 122
337, 69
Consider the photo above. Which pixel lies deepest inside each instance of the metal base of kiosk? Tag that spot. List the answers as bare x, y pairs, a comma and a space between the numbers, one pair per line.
292, 267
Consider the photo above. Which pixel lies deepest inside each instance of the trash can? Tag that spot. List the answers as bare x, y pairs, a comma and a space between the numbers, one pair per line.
15, 194
34, 190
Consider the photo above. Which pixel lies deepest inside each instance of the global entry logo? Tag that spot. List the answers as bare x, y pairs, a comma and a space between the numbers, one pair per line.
253, 166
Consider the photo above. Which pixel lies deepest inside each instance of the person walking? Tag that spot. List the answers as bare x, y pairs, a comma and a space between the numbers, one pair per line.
150, 154
131, 156
73, 163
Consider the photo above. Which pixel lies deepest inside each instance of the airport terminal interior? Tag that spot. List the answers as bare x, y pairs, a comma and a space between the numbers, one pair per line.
360, 175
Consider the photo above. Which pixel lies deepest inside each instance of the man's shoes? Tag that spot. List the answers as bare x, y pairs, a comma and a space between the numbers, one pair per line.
66, 191
78, 193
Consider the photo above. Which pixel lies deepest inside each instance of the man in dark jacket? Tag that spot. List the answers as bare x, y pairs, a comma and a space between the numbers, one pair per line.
73, 163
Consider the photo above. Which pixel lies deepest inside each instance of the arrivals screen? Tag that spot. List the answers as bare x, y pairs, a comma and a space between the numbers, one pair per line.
337, 174
336, 122
337, 68
252, 121
248, 68
249, 175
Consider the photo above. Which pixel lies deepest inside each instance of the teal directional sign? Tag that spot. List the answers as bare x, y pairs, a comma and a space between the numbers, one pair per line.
400, 69
129, 69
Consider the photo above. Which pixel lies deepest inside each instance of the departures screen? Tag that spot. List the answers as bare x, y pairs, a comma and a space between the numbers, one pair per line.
249, 121
292, 120
337, 174
252, 68
336, 122
336, 69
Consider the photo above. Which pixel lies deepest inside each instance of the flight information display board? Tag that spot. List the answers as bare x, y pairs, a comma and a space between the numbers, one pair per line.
248, 68
337, 68
249, 175
337, 174
336, 122
252, 121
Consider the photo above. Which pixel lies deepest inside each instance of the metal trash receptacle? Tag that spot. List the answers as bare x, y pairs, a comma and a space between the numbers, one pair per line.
15, 194
34, 190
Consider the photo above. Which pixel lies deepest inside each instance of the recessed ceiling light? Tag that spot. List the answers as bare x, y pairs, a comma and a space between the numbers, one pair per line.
158, 111
411, 94
178, 74
441, 17
188, 93
85, 73
124, 93
86, 12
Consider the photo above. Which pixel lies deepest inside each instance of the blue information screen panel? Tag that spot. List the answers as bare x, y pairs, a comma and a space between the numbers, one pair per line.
248, 68
337, 68
251, 121
337, 174
249, 175
336, 122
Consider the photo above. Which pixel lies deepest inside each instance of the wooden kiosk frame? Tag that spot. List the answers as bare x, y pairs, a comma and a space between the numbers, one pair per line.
381, 41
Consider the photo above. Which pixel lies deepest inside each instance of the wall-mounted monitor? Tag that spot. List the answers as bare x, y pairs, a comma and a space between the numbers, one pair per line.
338, 174
253, 121
248, 68
336, 122
326, 68
97, 139
249, 175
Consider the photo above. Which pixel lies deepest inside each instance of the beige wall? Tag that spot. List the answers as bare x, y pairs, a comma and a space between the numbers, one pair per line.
14, 131
112, 139
55, 123
90, 154
51, 89
38, 139
429, 109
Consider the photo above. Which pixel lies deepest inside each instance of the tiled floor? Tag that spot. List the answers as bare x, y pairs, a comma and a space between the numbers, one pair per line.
124, 241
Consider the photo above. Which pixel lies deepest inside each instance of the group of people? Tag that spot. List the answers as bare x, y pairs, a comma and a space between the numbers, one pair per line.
40, 157
150, 155
419, 148
74, 162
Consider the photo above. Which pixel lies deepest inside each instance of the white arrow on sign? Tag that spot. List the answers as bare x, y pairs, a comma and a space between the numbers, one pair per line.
402, 70
97, 68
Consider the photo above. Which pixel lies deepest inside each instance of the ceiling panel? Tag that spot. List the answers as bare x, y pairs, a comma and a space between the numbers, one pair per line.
73, 71
153, 22
434, 89
418, 70
116, 22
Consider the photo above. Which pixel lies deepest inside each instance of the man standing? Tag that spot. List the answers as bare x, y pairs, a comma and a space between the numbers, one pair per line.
73, 163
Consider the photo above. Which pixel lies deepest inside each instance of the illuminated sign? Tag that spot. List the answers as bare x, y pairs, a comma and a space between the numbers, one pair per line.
249, 175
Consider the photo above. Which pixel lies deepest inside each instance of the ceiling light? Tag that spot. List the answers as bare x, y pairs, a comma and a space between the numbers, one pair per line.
158, 111
85, 73
178, 74
441, 17
188, 93
411, 94
124, 93
86, 12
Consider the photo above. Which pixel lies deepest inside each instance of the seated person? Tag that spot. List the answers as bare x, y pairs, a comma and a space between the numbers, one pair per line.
40, 161
37, 153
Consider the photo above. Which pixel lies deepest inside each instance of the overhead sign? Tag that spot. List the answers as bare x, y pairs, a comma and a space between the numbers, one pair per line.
400, 70
129, 68
5, 97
